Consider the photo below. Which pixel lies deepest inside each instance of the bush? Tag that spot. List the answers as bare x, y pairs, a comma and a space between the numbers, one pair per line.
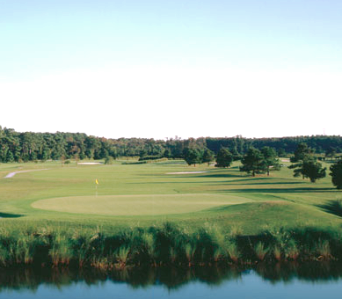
109, 161
336, 174
145, 158
133, 162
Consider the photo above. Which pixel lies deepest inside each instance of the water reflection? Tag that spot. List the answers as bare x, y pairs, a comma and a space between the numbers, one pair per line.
169, 278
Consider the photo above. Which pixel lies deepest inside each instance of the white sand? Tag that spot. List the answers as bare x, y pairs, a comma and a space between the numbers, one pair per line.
89, 163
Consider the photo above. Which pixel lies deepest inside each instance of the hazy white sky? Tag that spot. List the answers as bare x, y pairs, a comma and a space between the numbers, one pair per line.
257, 68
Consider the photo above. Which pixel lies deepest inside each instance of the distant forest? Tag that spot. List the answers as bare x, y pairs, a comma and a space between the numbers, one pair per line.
28, 146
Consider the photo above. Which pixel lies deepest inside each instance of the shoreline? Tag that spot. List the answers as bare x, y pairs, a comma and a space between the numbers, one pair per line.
168, 245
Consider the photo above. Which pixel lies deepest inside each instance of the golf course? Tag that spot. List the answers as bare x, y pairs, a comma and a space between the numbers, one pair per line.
128, 213
150, 194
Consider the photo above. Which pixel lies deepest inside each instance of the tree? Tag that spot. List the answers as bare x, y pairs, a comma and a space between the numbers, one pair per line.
235, 153
208, 156
306, 164
9, 156
224, 158
303, 154
46, 155
270, 160
313, 170
192, 156
109, 160
281, 152
143, 153
336, 173
330, 152
253, 162
167, 153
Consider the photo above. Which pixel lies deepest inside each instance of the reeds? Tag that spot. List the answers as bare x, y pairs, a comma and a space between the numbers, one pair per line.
323, 250
166, 245
261, 251
61, 249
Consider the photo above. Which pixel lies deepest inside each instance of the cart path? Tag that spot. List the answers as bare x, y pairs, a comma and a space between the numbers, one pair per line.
12, 174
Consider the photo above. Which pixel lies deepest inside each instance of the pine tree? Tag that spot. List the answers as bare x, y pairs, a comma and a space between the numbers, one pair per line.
208, 156
270, 159
253, 162
301, 153
336, 173
313, 170
305, 164
9, 156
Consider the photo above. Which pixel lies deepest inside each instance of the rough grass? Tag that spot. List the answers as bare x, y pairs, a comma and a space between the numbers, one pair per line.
165, 245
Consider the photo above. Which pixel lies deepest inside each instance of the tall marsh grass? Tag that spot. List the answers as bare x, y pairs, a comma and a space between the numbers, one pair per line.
166, 245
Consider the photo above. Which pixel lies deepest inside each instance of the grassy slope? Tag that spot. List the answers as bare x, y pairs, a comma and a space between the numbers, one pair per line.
278, 200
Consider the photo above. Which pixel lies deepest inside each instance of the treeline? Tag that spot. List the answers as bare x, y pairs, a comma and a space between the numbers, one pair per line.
28, 146
321, 144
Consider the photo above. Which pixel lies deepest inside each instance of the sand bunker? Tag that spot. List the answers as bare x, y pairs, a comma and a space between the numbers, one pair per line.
89, 163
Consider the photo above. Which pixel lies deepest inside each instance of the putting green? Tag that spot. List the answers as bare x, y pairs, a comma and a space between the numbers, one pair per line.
132, 205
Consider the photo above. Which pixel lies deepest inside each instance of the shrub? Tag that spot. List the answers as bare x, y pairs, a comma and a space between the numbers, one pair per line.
260, 251
109, 161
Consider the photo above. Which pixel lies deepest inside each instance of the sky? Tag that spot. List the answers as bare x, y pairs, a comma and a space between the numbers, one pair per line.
160, 69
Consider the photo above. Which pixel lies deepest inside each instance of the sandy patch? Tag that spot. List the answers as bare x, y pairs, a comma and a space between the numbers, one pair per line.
186, 172
285, 160
12, 174
89, 163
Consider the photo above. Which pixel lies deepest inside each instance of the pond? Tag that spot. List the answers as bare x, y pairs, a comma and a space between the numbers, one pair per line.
318, 280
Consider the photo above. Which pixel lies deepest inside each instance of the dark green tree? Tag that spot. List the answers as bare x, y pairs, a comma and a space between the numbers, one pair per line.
9, 156
224, 158
33, 156
281, 152
270, 160
192, 156
313, 170
253, 162
235, 153
167, 153
301, 153
330, 153
208, 156
336, 174
3, 153
46, 155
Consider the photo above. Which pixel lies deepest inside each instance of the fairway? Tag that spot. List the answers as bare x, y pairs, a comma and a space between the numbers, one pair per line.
131, 205
150, 194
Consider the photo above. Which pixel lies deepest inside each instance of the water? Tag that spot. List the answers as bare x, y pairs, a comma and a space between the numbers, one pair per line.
289, 281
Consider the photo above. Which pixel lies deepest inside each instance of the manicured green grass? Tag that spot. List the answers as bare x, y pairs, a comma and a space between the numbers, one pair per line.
163, 213
137, 205
147, 194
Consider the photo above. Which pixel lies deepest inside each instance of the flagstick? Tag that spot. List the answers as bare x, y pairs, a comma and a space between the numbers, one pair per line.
96, 189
